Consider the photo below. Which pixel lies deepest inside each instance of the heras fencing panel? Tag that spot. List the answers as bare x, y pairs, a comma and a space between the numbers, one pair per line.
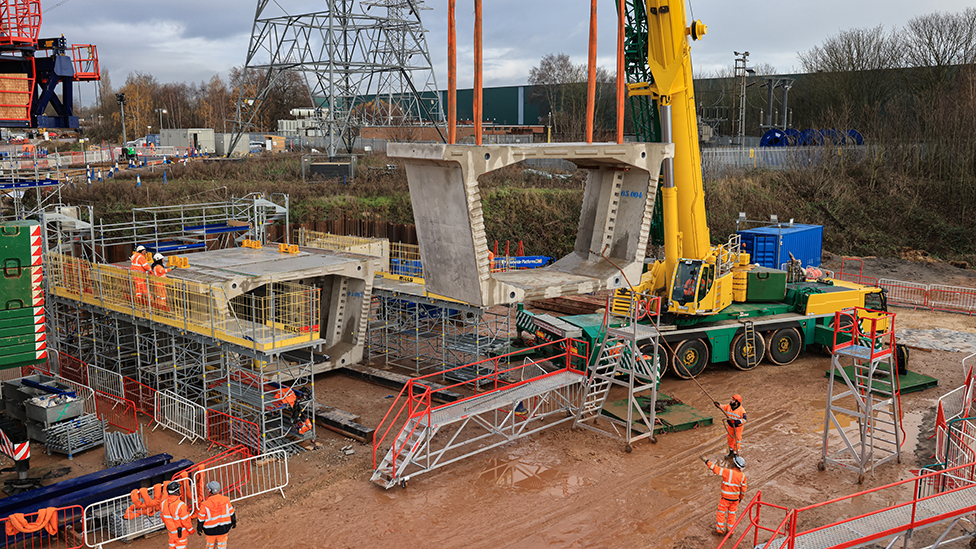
125, 517
952, 298
181, 415
905, 294
118, 412
248, 477
105, 381
142, 395
59, 528
228, 431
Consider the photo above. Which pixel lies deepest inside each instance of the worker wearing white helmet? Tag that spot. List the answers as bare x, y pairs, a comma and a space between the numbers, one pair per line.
733, 490
139, 267
216, 517
159, 290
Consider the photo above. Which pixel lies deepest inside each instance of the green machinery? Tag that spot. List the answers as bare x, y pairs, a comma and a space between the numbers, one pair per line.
22, 336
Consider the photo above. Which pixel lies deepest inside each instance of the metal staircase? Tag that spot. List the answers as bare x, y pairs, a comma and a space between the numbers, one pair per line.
625, 357
521, 400
865, 340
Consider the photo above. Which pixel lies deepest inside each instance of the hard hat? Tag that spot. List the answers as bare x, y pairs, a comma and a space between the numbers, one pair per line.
739, 462
140, 248
213, 486
173, 488
737, 398
158, 256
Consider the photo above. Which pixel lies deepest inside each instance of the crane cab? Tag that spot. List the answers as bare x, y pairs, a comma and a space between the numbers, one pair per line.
699, 287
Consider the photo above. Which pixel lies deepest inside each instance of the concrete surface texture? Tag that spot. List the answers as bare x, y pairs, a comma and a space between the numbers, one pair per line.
614, 221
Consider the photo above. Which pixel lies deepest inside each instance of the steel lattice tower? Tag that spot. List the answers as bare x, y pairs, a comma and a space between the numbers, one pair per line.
364, 62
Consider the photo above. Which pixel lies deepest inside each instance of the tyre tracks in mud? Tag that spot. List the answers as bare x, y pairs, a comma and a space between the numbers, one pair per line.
689, 504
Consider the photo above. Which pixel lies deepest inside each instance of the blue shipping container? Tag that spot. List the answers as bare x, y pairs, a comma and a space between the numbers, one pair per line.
771, 246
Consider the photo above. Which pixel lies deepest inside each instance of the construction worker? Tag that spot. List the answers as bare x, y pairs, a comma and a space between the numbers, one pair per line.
139, 267
735, 418
159, 290
733, 490
216, 517
176, 517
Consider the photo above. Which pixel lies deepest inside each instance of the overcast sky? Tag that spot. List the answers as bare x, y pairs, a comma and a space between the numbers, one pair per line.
190, 40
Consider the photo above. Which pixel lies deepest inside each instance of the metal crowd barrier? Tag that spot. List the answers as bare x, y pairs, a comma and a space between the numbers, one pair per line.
105, 381
63, 537
106, 521
181, 415
249, 477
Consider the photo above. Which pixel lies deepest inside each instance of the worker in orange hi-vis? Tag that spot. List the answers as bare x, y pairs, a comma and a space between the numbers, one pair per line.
139, 267
216, 517
735, 418
733, 490
159, 289
176, 517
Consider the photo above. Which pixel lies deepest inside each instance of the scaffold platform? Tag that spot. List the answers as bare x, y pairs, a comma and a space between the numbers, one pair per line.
675, 417
910, 382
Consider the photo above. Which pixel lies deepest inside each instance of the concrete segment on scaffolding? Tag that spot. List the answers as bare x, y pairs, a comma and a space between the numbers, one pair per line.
346, 280
614, 222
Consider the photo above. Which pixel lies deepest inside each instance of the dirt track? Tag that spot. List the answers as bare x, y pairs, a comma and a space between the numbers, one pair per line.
567, 488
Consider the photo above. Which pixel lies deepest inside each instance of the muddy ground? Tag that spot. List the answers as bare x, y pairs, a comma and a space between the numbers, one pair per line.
577, 489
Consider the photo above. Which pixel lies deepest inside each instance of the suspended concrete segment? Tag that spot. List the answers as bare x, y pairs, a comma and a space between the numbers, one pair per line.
614, 221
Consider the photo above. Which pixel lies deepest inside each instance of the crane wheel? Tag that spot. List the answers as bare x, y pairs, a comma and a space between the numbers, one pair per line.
740, 349
784, 346
690, 358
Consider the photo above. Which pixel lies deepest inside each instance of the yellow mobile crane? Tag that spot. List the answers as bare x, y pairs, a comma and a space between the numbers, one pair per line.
720, 307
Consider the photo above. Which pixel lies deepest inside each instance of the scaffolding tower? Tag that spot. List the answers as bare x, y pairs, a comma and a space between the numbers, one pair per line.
364, 62
863, 357
233, 355
621, 362
421, 333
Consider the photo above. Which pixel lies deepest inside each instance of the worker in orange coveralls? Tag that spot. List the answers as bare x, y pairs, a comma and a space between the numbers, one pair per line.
139, 267
216, 517
735, 418
733, 490
159, 290
176, 517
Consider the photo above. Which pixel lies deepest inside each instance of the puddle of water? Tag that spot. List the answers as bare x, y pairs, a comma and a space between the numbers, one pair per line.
519, 475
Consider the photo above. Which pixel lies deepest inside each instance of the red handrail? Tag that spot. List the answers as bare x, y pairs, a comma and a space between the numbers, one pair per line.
914, 523
423, 406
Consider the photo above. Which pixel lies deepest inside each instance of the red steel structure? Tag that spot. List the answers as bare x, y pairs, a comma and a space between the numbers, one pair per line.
938, 497
37, 75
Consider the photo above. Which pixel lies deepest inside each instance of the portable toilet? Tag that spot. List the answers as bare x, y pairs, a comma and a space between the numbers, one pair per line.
771, 246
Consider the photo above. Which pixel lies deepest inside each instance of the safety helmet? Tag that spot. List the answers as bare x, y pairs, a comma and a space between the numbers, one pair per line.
737, 398
158, 256
140, 248
173, 488
213, 486
739, 462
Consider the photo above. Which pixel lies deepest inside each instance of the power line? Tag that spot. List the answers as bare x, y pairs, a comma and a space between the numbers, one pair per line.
61, 3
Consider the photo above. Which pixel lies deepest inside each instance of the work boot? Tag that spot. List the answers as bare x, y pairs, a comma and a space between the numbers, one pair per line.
718, 532
731, 455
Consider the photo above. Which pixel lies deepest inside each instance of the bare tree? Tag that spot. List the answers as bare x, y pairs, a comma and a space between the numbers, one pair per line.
853, 71
560, 87
934, 44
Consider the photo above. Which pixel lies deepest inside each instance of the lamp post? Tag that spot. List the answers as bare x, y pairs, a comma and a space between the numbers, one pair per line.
161, 113
120, 97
